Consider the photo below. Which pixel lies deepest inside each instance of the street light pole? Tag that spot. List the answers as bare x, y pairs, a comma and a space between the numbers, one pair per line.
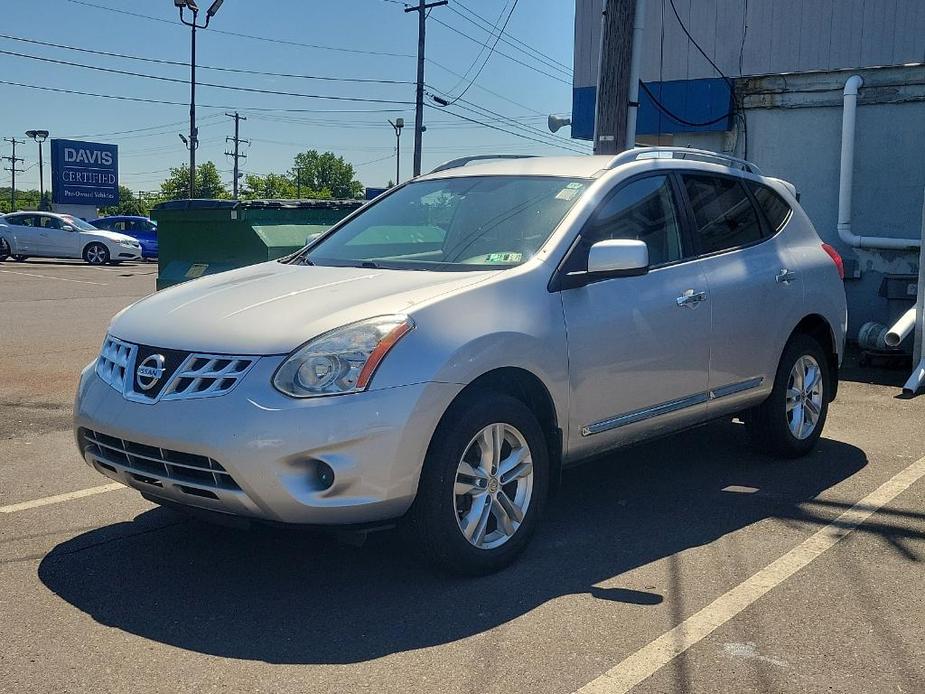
40, 136
193, 142
398, 125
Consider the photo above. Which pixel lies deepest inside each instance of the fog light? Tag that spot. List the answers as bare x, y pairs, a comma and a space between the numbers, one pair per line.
324, 475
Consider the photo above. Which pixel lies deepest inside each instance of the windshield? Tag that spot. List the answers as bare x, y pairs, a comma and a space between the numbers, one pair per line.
466, 223
78, 223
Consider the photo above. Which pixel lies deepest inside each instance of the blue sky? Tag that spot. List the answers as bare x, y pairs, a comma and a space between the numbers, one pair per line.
351, 129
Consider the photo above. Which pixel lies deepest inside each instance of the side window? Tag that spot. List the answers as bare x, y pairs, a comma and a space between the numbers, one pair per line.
724, 216
23, 220
50, 222
775, 208
644, 210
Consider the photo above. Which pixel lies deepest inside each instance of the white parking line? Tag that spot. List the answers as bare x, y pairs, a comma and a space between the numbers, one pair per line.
653, 656
58, 498
50, 277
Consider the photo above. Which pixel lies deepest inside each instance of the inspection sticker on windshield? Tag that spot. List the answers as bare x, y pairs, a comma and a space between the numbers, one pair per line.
196, 270
570, 191
503, 257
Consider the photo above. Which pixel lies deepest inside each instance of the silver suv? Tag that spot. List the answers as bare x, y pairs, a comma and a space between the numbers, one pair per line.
440, 355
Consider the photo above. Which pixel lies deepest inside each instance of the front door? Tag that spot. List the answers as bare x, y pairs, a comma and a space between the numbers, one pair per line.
54, 240
639, 347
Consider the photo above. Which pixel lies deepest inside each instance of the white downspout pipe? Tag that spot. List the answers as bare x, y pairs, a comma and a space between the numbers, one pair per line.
639, 25
846, 179
917, 378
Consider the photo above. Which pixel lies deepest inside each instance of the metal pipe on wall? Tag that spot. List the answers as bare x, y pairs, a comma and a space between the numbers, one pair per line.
846, 179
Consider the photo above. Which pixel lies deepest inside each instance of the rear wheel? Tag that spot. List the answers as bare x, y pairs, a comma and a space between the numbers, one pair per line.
20, 258
483, 485
790, 421
96, 254
4, 250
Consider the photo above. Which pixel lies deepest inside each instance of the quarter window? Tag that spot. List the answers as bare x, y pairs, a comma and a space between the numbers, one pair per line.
724, 216
775, 208
644, 210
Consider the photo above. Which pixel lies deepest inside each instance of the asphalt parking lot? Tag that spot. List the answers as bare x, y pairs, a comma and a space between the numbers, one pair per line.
684, 565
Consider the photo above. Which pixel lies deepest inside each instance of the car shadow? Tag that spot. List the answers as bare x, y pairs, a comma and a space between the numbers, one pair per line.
287, 597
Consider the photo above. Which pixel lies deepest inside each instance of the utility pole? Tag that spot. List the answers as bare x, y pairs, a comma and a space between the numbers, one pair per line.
613, 79
12, 168
422, 7
237, 153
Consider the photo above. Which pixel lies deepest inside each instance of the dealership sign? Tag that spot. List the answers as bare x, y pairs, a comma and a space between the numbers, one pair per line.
84, 173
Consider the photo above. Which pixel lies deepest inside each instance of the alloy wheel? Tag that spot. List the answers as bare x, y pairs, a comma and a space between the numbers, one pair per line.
493, 486
804, 397
96, 254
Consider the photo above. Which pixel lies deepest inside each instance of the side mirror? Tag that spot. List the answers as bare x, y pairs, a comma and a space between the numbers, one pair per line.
618, 258
67, 227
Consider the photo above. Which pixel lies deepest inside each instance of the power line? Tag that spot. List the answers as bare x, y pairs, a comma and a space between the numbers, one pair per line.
487, 57
177, 63
502, 53
175, 80
244, 36
516, 44
508, 132
144, 100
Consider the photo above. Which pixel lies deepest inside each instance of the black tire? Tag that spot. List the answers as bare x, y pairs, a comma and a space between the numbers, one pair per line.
96, 254
4, 250
769, 423
20, 258
433, 518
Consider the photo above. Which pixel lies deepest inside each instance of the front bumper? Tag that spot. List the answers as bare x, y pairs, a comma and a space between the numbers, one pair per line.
265, 446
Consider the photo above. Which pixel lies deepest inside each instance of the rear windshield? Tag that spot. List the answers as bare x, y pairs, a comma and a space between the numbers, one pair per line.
466, 223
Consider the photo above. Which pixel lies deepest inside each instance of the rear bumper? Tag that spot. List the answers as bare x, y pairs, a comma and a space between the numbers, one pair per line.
266, 448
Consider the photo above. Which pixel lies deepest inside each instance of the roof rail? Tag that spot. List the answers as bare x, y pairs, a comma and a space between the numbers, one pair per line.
638, 153
462, 161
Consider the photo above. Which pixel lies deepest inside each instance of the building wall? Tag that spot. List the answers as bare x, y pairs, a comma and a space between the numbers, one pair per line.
781, 36
795, 59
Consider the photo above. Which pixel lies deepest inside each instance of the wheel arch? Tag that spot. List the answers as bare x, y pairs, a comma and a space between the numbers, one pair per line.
527, 387
817, 327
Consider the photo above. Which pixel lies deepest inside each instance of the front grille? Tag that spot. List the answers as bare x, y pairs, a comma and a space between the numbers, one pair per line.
185, 375
151, 464
115, 362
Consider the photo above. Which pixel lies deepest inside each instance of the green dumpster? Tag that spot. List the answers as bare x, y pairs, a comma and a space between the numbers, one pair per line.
203, 237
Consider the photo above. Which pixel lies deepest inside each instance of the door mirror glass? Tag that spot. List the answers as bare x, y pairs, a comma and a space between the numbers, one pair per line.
618, 256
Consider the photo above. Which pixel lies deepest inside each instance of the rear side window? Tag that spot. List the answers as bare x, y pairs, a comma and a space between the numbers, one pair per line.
724, 216
775, 208
644, 210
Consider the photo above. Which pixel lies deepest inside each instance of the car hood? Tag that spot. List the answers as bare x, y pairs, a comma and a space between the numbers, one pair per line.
108, 235
272, 308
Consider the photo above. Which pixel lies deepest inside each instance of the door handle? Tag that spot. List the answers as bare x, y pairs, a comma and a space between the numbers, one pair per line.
691, 299
785, 276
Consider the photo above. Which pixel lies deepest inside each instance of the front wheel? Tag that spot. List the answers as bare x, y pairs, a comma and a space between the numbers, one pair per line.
789, 423
483, 485
4, 250
20, 258
96, 254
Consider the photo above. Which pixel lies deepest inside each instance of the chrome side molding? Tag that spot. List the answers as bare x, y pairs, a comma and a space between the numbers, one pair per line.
671, 406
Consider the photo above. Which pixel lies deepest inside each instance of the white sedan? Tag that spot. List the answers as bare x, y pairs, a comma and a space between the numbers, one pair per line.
51, 235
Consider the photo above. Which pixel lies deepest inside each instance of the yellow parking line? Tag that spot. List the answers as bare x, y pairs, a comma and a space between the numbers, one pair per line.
58, 498
658, 653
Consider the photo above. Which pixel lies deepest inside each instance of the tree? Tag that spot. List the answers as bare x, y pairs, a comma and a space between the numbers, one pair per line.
324, 175
128, 205
208, 183
269, 187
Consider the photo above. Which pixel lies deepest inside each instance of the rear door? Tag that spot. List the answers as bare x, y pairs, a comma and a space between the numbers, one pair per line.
639, 347
23, 228
756, 295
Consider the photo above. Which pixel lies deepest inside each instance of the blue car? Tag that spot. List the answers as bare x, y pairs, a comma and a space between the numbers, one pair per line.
140, 228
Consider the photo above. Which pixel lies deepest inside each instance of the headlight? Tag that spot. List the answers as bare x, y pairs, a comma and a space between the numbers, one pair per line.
128, 244
342, 360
